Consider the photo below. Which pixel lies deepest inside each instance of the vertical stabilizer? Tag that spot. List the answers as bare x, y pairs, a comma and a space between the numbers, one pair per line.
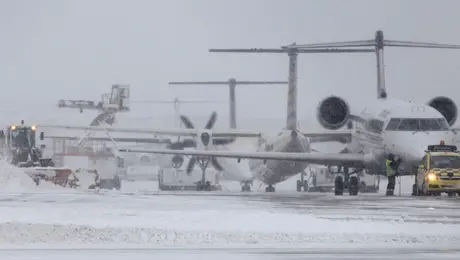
291, 119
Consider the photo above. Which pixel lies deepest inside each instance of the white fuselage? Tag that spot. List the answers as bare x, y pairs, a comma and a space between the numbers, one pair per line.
234, 171
406, 141
274, 171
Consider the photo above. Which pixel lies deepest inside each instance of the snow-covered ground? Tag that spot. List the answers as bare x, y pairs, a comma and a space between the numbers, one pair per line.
53, 217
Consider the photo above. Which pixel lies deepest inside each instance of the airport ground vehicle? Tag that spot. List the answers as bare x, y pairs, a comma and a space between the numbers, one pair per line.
104, 168
322, 180
18, 147
178, 179
438, 172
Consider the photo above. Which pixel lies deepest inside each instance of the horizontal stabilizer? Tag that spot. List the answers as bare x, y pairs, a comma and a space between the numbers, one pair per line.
239, 82
287, 49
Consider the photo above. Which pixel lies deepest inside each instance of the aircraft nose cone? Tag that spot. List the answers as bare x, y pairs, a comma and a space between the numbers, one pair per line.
424, 140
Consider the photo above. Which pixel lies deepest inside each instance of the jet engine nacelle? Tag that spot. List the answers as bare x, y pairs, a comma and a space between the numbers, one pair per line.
333, 113
446, 107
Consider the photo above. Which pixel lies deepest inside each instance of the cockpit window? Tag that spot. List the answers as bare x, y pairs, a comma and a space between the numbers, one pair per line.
375, 126
430, 125
443, 124
393, 124
417, 124
409, 125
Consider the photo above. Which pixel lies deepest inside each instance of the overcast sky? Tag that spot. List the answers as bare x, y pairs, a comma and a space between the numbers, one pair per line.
62, 49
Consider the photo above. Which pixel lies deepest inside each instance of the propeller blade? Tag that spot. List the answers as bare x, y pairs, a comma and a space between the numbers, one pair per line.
191, 165
211, 121
216, 164
223, 141
186, 121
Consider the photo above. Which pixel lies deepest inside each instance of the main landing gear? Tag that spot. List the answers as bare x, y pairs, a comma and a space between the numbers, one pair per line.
203, 185
270, 188
346, 182
302, 183
246, 186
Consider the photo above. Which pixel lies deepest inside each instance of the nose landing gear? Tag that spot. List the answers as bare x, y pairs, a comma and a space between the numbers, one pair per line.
346, 182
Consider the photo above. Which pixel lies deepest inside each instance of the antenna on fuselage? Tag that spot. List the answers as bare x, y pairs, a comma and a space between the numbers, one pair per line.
292, 52
231, 83
378, 43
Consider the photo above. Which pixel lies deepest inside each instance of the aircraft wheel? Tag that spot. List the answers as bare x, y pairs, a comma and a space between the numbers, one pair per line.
245, 187
451, 194
207, 186
353, 187
305, 186
270, 188
299, 186
338, 186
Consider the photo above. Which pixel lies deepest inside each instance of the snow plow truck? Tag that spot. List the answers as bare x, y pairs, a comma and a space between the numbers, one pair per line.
18, 147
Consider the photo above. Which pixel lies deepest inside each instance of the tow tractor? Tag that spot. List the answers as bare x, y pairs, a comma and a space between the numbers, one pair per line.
19, 149
438, 172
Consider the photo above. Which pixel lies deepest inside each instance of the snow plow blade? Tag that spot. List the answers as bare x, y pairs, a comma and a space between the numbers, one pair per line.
62, 176
59, 176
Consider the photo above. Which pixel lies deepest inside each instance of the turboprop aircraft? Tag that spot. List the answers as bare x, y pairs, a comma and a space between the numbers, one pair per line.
289, 139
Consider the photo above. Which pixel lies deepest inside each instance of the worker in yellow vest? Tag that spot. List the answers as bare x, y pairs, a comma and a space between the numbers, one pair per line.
392, 171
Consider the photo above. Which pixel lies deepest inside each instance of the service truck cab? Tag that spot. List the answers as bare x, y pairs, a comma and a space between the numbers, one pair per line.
439, 171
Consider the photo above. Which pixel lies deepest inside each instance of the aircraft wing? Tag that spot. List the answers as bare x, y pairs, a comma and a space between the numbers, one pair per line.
171, 132
333, 159
335, 136
116, 139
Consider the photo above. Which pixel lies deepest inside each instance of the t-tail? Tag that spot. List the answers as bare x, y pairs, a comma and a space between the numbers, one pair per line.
291, 118
231, 83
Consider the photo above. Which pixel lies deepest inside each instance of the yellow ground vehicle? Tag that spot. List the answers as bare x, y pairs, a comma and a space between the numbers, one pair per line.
438, 172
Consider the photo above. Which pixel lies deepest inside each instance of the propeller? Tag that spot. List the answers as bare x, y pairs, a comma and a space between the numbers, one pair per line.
205, 138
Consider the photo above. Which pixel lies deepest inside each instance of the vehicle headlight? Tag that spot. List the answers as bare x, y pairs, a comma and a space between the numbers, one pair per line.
432, 177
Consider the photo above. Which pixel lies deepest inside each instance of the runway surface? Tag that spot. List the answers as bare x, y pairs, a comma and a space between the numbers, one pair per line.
141, 223
228, 254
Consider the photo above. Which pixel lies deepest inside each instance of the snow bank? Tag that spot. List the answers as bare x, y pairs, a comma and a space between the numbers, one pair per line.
156, 220
13, 179
52, 234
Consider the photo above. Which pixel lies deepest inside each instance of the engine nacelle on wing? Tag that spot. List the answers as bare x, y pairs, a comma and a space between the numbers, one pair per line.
446, 107
333, 113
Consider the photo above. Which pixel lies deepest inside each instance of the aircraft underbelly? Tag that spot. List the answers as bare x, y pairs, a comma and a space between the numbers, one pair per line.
234, 171
275, 171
